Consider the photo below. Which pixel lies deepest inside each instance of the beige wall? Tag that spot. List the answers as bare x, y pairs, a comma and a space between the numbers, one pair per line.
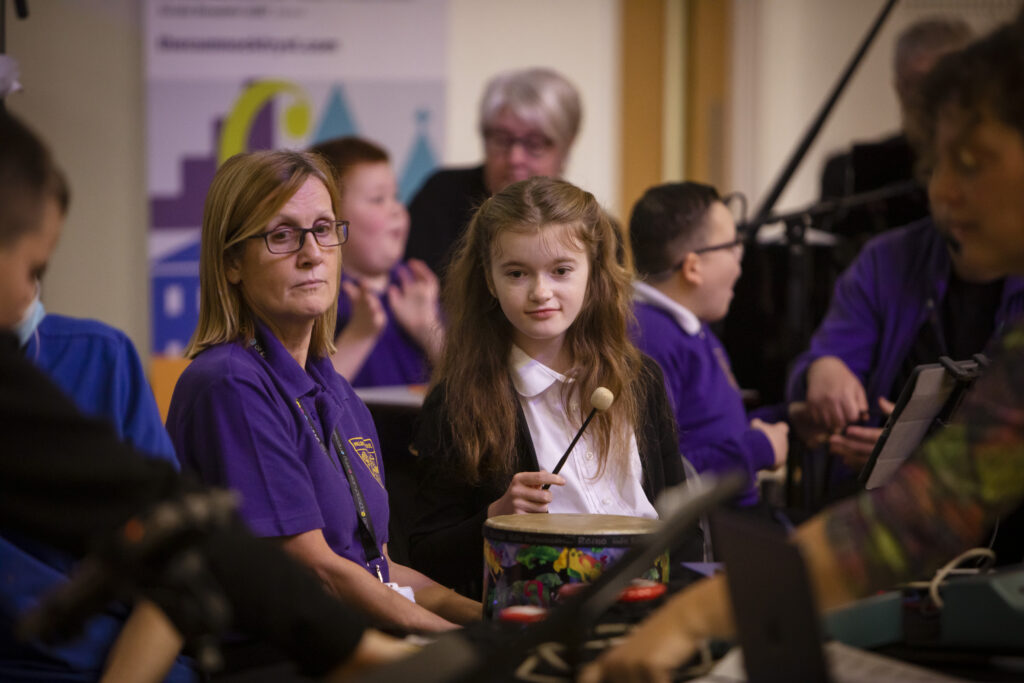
577, 37
787, 54
82, 74
83, 77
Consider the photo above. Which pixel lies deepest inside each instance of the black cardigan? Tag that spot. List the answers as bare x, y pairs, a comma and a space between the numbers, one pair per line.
440, 212
446, 543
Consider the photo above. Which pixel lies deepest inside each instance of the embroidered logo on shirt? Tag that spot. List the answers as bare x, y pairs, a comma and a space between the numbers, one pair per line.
368, 454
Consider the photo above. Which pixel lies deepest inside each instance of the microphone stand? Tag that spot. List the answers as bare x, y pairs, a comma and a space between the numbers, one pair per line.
797, 319
812, 131
798, 224
832, 206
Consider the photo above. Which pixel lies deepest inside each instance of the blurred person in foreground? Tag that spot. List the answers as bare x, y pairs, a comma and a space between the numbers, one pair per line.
68, 480
945, 497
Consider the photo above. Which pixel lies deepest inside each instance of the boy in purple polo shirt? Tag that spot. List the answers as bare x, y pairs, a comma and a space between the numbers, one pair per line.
687, 256
389, 330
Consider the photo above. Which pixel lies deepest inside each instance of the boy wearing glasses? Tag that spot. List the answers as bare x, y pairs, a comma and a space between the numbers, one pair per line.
687, 254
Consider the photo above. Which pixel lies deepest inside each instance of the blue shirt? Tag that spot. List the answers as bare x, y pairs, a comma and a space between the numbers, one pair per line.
249, 418
396, 358
98, 367
714, 430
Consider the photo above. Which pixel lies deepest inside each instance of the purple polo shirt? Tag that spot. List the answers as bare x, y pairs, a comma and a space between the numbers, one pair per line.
250, 419
714, 431
396, 358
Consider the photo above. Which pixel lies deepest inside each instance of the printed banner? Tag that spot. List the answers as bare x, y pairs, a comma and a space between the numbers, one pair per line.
227, 76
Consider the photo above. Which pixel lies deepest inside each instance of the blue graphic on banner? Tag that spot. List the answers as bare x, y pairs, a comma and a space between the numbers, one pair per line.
175, 299
337, 121
255, 121
421, 162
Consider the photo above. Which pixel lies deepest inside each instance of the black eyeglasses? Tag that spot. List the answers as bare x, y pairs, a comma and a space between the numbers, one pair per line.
535, 144
739, 241
288, 240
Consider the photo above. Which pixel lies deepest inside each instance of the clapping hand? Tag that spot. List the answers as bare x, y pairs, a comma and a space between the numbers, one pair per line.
414, 303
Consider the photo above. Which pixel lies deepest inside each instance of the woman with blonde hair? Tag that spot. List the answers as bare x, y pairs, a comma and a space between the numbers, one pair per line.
261, 409
537, 307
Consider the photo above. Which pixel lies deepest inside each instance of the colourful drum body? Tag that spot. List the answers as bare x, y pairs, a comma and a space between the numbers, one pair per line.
527, 558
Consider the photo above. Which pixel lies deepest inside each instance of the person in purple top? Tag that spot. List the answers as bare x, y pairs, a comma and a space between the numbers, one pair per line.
389, 330
941, 500
70, 480
261, 409
687, 256
908, 298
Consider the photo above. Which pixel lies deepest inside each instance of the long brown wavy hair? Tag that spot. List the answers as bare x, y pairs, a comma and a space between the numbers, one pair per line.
474, 368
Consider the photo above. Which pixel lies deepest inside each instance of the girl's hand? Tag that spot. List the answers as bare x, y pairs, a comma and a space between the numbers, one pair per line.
368, 317
525, 495
414, 303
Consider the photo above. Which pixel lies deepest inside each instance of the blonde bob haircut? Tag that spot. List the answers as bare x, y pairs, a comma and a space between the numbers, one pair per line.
248, 190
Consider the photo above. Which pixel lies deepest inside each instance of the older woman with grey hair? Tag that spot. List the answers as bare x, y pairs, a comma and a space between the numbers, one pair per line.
528, 121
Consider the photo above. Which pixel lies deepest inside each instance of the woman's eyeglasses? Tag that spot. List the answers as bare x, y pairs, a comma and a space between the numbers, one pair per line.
534, 144
288, 240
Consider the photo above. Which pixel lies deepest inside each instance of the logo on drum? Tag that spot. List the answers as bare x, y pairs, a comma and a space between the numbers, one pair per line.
368, 454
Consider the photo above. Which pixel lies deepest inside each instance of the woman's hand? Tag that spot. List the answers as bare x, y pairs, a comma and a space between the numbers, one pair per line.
855, 444
414, 303
835, 397
525, 495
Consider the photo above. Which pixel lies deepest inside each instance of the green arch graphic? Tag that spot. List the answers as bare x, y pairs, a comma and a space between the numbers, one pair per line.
235, 134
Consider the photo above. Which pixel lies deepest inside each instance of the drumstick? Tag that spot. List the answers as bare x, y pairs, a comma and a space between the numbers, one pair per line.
601, 399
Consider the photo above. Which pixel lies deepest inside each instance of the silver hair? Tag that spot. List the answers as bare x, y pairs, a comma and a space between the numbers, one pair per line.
542, 97
937, 34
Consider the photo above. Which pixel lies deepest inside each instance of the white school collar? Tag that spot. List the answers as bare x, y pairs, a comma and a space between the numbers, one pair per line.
683, 316
531, 377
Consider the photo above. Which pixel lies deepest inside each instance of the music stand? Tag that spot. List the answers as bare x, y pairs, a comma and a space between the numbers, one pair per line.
927, 401
777, 622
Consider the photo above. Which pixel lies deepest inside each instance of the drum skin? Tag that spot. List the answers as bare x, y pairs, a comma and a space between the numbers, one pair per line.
527, 558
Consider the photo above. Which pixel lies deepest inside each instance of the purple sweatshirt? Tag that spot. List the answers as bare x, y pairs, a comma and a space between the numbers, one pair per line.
895, 285
714, 431
396, 358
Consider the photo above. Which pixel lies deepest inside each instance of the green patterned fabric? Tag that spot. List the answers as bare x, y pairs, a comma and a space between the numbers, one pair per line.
945, 497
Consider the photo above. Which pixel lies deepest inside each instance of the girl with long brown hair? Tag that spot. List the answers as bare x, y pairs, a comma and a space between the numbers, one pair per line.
537, 306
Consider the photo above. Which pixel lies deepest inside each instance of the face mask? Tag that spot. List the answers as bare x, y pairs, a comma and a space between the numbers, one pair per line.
26, 327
